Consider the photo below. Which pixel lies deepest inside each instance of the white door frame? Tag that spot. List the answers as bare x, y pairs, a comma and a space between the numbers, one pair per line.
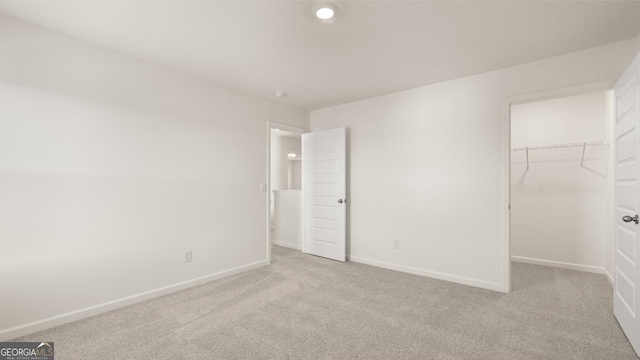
285, 127
506, 157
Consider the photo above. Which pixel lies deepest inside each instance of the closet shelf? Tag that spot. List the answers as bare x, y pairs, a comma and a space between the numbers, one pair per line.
596, 150
556, 146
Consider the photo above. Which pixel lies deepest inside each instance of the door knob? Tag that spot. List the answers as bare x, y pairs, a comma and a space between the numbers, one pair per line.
630, 219
340, 201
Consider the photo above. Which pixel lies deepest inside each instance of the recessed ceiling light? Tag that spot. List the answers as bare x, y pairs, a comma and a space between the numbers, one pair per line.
281, 94
325, 12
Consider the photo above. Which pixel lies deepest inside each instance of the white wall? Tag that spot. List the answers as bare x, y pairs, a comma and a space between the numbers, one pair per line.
288, 229
426, 165
111, 167
280, 165
295, 174
559, 212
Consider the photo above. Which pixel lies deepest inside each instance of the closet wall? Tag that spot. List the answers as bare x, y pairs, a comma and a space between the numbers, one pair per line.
560, 206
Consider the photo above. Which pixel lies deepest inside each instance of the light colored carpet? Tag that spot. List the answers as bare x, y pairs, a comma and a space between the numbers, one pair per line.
305, 307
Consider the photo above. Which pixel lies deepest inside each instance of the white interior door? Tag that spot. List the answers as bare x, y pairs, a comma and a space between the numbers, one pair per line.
325, 184
627, 201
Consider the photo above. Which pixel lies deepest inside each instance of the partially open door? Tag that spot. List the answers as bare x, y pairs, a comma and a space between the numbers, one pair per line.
325, 186
627, 203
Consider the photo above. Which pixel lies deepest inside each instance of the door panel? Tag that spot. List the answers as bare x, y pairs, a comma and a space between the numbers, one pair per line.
626, 244
324, 169
626, 147
626, 174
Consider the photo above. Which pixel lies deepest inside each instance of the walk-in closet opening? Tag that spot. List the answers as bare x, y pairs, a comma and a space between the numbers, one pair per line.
561, 200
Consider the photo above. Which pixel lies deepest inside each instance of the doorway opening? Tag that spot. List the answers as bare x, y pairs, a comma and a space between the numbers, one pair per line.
561, 182
284, 213
307, 189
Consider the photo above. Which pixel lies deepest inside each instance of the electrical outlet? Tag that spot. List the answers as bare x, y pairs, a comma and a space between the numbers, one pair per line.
187, 256
396, 244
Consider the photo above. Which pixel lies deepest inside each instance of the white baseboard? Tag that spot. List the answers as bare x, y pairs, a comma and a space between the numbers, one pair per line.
287, 245
432, 274
29, 328
559, 264
609, 277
